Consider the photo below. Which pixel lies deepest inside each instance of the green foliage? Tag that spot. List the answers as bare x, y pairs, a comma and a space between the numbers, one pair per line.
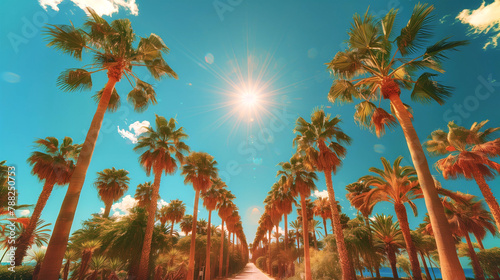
21, 273
325, 265
490, 260
261, 262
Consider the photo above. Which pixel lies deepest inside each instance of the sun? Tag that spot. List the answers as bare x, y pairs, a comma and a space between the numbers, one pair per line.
249, 98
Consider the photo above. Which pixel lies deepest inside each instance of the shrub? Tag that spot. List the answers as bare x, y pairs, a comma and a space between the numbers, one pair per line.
21, 273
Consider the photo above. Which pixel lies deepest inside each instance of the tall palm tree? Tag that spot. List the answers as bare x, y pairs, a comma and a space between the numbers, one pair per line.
376, 65
87, 251
143, 194
53, 163
469, 152
226, 208
296, 226
398, 185
161, 215
113, 51
174, 212
301, 182
111, 185
199, 170
469, 216
321, 141
424, 243
162, 150
211, 198
37, 257
70, 256
388, 236
322, 209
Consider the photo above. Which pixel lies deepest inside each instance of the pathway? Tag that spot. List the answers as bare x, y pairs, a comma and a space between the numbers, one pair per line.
251, 272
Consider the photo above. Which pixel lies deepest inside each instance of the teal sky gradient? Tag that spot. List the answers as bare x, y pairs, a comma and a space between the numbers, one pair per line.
286, 43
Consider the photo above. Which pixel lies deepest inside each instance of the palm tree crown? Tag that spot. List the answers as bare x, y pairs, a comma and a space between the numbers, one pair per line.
111, 185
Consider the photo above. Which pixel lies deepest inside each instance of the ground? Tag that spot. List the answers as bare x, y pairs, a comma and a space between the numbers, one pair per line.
251, 272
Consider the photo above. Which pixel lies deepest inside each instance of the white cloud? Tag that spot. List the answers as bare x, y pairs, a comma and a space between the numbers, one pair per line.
134, 130
101, 7
323, 193
162, 203
485, 19
25, 212
123, 207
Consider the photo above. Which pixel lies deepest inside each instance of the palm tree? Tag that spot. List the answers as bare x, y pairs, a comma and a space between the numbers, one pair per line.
321, 141
397, 185
187, 224
161, 215
143, 194
322, 209
301, 182
211, 198
111, 185
87, 251
296, 226
174, 212
424, 243
162, 149
226, 208
388, 236
469, 152
97, 264
111, 45
54, 164
38, 257
69, 256
469, 216
199, 170
376, 65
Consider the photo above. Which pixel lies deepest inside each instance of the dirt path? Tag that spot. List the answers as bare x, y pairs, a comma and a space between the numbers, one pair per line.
251, 272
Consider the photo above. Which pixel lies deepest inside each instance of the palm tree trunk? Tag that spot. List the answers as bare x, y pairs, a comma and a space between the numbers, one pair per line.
269, 268
228, 251
23, 242
448, 258
315, 240
478, 270
427, 273
410, 247
286, 231
66, 270
305, 236
391, 255
148, 235
107, 209
324, 224
488, 197
190, 275
172, 229
84, 264
370, 239
59, 239
345, 263
209, 246
221, 254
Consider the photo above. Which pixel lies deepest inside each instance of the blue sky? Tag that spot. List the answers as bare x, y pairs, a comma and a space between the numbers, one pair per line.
218, 47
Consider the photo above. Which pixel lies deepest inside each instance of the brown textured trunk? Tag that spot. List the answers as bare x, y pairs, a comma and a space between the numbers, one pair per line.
305, 236
23, 242
410, 247
345, 263
324, 225
391, 255
478, 270
172, 229
84, 265
66, 270
221, 254
427, 273
269, 267
209, 246
228, 252
107, 209
59, 239
488, 197
148, 235
448, 258
315, 240
286, 231
370, 239
190, 275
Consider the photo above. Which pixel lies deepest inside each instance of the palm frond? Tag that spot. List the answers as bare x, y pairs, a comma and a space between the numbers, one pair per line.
141, 96
75, 79
342, 91
67, 39
417, 31
427, 89
114, 100
437, 50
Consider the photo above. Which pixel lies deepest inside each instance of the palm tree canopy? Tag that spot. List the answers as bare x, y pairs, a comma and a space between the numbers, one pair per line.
213, 195
322, 208
114, 49
162, 148
187, 224
175, 210
386, 232
468, 150
396, 184
378, 62
321, 140
297, 177
199, 170
112, 183
143, 194
54, 161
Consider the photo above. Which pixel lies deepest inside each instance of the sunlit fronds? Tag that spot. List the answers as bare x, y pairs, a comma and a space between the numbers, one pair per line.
346, 64
159, 68
417, 31
114, 100
141, 96
380, 120
67, 39
75, 79
364, 111
436, 51
342, 91
427, 89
